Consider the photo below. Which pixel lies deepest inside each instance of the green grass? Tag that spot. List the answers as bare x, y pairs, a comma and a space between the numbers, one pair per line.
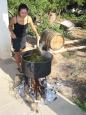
81, 105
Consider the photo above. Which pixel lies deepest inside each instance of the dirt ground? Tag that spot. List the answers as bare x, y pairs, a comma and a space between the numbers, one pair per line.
69, 68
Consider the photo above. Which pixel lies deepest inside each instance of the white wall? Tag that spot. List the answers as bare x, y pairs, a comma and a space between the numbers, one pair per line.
4, 32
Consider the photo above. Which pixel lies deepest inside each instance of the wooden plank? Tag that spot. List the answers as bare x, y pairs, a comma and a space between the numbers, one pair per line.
67, 49
67, 42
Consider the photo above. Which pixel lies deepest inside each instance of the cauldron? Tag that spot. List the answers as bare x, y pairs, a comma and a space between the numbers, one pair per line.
36, 70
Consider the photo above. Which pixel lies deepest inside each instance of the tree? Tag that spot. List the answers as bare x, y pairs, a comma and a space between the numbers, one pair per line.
36, 7
80, 2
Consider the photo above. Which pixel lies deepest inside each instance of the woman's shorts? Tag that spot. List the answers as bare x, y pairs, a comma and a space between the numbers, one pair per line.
19, 43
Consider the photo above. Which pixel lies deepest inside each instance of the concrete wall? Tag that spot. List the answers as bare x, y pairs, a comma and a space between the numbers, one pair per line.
4, 32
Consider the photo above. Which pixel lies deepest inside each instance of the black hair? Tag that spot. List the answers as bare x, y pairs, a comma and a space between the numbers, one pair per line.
22, 6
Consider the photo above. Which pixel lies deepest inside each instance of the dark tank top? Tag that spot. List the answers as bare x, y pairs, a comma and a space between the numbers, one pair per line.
19, 29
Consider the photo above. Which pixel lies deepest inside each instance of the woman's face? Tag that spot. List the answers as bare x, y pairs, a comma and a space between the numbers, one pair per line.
23, 13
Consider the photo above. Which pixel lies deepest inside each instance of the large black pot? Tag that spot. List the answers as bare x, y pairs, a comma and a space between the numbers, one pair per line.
36, 69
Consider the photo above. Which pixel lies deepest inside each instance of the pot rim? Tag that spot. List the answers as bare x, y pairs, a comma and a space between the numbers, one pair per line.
48, 59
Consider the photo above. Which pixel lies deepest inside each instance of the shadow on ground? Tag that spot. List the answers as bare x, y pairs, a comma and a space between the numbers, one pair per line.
78, 89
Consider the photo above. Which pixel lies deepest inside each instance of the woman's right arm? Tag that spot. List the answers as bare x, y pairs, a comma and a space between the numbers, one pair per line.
11, 26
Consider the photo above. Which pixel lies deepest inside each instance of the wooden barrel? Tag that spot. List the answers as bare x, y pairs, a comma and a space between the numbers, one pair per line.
52, 39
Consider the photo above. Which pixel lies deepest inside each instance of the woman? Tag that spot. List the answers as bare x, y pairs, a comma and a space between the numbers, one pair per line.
18, 29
